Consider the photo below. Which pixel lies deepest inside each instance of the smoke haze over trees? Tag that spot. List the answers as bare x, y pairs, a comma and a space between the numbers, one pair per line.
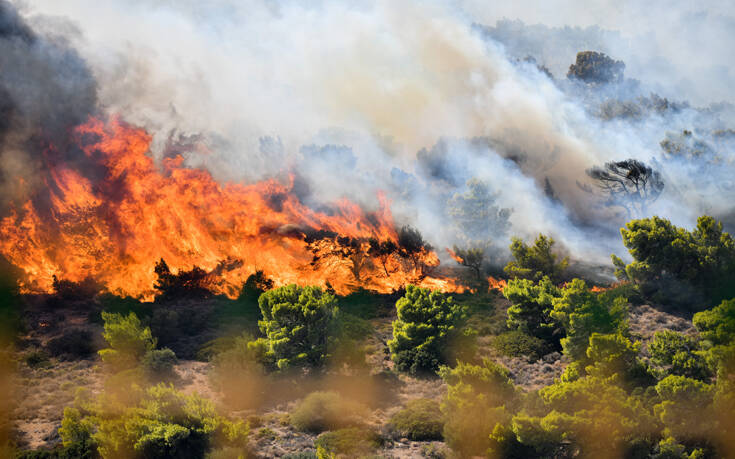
376, 116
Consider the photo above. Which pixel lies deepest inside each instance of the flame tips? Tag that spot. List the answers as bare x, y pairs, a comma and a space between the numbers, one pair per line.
116, 225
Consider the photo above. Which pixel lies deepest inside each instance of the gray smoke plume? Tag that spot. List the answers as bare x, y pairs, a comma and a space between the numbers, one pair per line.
415, 99
45, 90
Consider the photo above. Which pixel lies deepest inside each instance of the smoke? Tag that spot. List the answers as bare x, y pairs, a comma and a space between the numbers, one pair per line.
45, 89
682, 47
410, 98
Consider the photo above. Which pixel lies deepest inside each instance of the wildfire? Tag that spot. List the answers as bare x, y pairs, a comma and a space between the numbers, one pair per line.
496, 284
115, 228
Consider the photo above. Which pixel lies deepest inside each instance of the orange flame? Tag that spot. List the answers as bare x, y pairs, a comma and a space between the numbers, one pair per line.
454, 256
115, 229
496, 284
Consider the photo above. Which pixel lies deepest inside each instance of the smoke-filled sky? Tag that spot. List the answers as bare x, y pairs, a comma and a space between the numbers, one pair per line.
415, 98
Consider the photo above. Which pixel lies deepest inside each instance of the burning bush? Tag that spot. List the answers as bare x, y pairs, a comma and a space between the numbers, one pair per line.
184, 284
67, 290
427, 326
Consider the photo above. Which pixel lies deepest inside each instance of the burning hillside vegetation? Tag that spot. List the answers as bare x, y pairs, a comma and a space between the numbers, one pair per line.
115, 224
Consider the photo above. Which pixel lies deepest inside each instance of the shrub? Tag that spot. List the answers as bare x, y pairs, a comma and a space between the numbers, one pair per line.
128, 341
518, 344
156, 422
717, 325
184, 284
237, 373
685, 408
158, 364
535, 261
427, 325
596, 67
74, 343
531, 304
678, 354
582, 312
68, 290
419, 420
37, 358
671, 264
255, 285
598, 417
432, 451
615, 356
266, 433
297, 322
349, 442
474, 405
321, 411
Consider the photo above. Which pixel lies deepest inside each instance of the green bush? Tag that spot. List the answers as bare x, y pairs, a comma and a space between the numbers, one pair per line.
615, 356
673, 265
536, 261
158, 422
298, 323
597, 416
717, 325
237, 372
320, 411
531, 305
129, 341
158, 364
349, 442
419, 420
686, 408
479, 397
518, 344
678, 354
582, 312
427, 327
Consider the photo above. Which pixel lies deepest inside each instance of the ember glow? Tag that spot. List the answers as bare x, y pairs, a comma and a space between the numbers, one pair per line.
115, 226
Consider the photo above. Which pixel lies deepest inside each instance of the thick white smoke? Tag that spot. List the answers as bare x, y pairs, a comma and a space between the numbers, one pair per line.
347, 93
